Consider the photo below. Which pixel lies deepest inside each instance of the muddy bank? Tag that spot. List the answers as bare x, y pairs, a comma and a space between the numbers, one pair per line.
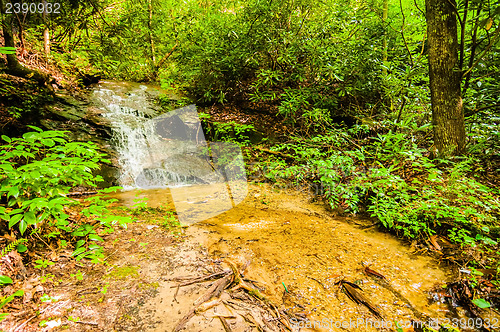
296, 244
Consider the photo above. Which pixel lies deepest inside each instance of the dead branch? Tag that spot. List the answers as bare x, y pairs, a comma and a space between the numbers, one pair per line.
240, 284
87, 323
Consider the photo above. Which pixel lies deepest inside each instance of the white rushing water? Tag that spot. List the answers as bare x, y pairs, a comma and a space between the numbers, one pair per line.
170, 151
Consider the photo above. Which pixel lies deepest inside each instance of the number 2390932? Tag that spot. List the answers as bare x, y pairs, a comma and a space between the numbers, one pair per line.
33, 8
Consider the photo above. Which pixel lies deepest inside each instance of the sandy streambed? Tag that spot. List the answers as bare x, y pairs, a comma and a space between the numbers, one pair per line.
297, 244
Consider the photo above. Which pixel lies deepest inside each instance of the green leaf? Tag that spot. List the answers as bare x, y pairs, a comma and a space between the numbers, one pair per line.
15, 219
30, 135
21, 248
10, 298
481, 303
48, 142
34, 127
95, 237
30, 218
23, 225
78, 251
5, 280
14, 191
6, 138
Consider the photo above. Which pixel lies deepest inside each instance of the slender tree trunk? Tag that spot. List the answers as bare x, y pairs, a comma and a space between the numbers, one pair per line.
46, 35
384, 41
150, 10
445, 78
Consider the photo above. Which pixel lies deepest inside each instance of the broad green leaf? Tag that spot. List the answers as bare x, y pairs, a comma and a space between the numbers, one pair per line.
23, 225
6, 138
5, 280
94, 247
14, 191
78, 251
95, 237
481, 303
15, 219
21, 248
48, 142
30, 218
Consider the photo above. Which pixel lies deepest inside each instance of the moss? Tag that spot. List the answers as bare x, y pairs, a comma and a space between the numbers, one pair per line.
152, 285
123, 272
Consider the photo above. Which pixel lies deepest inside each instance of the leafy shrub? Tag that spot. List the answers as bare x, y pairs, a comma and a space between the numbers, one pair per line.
231, 132
36, 171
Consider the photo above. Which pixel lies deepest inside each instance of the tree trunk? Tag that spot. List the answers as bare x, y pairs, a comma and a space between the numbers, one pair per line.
445, 78
150, 28
385, 11
46, 35
13, 65
46, 41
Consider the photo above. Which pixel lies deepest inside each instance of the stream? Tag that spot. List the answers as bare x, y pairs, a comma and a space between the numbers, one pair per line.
298, 250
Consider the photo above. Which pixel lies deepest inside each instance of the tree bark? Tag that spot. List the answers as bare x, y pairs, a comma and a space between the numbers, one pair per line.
445, 78
46, 35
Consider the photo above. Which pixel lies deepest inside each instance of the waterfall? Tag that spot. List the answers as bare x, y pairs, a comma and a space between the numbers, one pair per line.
170, 151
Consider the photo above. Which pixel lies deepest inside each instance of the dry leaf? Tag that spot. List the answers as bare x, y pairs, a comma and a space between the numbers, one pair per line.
374, 273
355, 296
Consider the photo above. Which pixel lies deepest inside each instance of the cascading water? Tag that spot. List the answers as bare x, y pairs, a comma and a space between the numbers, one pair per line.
143, 155
170, 151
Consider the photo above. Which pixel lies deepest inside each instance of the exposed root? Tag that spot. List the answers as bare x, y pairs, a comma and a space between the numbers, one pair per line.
247, 302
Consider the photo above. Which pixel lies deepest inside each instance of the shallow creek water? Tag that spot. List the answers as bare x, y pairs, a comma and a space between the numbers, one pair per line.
294, 242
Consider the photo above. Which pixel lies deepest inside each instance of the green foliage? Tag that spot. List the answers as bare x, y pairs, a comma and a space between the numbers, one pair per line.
36, 171
4, 280
22, 98
42, 264
231, 132
481, 303
6, 299
7, 50
396, 183
17, 244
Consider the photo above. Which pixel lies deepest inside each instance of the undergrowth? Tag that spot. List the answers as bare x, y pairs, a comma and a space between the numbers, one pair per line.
390, 177
37, 171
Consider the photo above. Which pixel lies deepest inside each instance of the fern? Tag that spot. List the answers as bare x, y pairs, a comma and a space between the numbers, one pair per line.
11, 246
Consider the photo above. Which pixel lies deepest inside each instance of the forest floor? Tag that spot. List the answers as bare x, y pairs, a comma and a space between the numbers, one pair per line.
156, 278
145, 264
